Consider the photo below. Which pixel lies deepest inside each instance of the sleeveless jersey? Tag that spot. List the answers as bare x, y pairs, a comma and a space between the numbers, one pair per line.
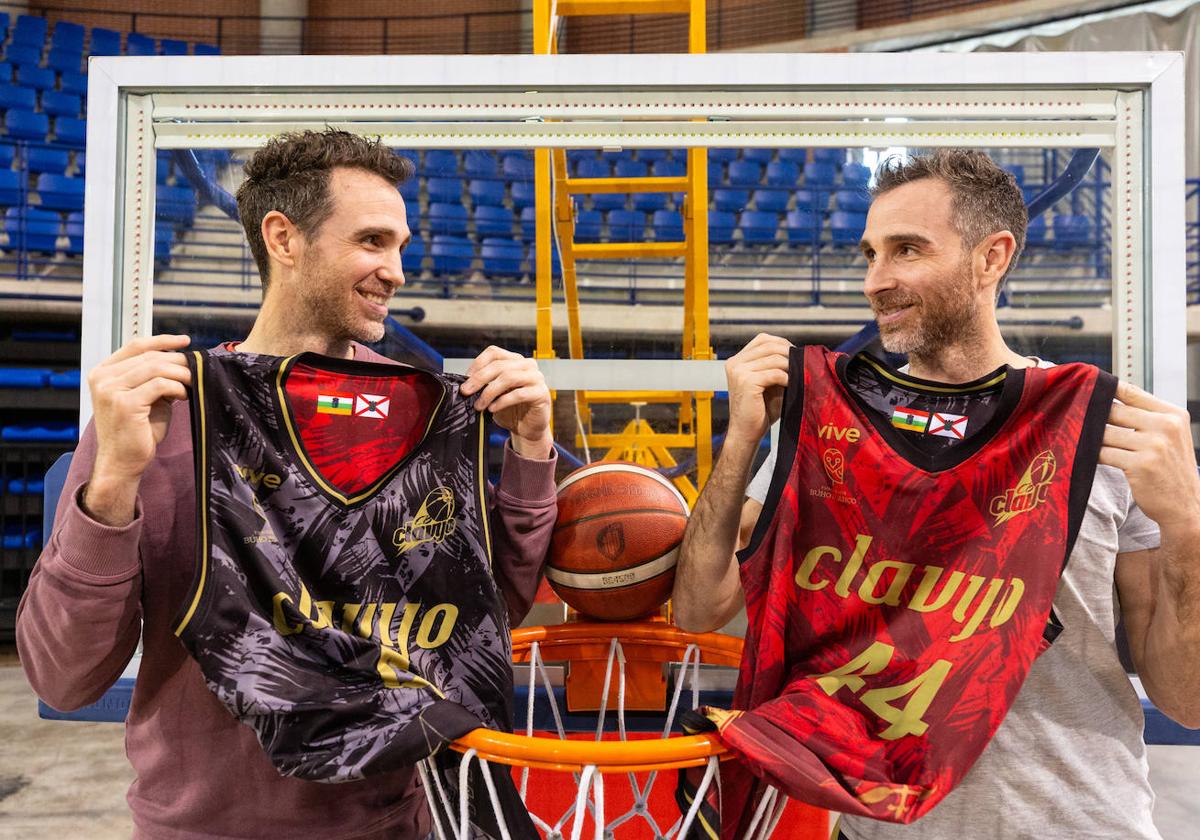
344, 605
897, 595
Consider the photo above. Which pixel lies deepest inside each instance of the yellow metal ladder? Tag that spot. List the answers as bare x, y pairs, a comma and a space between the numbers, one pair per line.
638, 441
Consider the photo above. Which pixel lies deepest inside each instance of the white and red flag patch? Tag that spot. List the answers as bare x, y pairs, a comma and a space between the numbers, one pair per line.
371, 405
948, 425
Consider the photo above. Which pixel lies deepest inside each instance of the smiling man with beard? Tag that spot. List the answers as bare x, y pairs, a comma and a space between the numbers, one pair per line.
943, 233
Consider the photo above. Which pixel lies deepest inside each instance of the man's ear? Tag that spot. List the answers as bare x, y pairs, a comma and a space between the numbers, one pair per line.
994, 255
283, 239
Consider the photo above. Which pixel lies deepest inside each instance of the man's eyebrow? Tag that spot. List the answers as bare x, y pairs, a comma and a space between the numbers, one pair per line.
898, 238
363, 233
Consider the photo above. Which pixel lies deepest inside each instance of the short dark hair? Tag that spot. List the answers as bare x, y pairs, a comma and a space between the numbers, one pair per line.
291, 174
986, 198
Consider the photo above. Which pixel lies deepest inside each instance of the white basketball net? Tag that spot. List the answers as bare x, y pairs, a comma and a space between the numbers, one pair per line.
590, 782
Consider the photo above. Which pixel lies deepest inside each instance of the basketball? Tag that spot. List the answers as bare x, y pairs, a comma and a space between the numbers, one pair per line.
616, 541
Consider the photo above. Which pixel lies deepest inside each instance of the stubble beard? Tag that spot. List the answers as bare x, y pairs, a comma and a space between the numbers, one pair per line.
944, 320
331, 315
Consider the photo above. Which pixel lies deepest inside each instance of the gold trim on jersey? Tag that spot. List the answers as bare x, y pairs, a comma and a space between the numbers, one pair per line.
482, 478
201, 491
298, 447
900, 379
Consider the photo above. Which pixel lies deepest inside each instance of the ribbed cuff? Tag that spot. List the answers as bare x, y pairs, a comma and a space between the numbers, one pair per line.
527, 479
96, 549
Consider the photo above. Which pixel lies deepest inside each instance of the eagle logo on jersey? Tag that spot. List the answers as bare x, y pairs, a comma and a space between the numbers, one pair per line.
433, 522
1030, 490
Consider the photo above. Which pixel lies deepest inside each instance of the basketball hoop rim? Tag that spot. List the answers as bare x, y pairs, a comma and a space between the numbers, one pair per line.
646, 639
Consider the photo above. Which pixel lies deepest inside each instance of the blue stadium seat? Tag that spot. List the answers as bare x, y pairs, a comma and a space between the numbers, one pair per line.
137, 43
4, 22
521, 154
847, 228
410, 191
446, 190
794, 155
716, 173
652, 156
11, 193
1072, 232
758, 155
205, 49
38, 78
588, 225
528, 224
70, 131
502, 257
745, 173
1017, 171
630, 169
515, 168
26, 125
20, 98
814, 201
172, 46
522, 194
649, 202
609, 201
60, 192
731, 201
73, 83
164, 239
576, 155
856, 201
176, 204
22, 55
67, 36
31, 229
819, 175
80, 163
1035, 233
783, 173
613, 158
668, 225
447, 218
834, 157
855, 174
6, 73
480, 164
104, 42
39, 159
723, 155
720, 227
441, 162
591, 167
59, 104
64, 61
452, 254
771, 200
483, 191
8, 153
627, 226
493, 220
803, 227
669, 168
758, 227
25, 377
413, 256
30, 30
75, 233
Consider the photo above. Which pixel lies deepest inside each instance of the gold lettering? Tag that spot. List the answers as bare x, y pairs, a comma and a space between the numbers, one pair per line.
920, 598
804, 573
875, 572
406, 623
871, 661
425, 638
281, 625
907, 720
861, 544
324, 616
386, 611
985, 604
964, 601
1016, 588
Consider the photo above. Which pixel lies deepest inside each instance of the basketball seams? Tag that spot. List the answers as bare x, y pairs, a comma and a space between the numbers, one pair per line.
596, 581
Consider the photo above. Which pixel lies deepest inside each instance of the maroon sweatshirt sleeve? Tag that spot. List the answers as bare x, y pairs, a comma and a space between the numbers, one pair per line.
79, 620
523, 510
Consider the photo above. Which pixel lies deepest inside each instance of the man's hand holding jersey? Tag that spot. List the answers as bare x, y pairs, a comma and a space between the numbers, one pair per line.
512, 388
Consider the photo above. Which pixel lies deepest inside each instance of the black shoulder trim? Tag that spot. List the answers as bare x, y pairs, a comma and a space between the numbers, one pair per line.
785, 450
1087, 455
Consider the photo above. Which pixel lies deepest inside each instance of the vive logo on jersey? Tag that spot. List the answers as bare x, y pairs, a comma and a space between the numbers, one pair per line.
829, 431
433, 522
1030, 491
257, 478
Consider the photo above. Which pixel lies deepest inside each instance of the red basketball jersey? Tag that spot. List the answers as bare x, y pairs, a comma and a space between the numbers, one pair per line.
897, 594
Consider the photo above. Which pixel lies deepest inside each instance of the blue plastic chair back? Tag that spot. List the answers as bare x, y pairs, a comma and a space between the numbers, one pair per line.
205, 49
528, 224
138, 44
493, 220
56, 103
68, 36
782, 173
74, 230
668, 226
440, 162
172, 46
793, 155
856, 201
486, 192
592, 168
40, 159
630, 169
23, 55
758, 227
10, 188
444, 189
30, 30
669, 168
523, 194
14, 97
803, 227
104, 42
452, 255
745, 173
588, 225
60, 192
73, 83
721, 226
847, 228
517, 168
8, 153
502, 257
480, 164
412, 258
38, 78
731, 201
447, 219
772, 201
834, 157
761, 156
70, 131
32, 229
627, 225
819, 174
609, 201
649, 202
26, 125
723, 155
855, 174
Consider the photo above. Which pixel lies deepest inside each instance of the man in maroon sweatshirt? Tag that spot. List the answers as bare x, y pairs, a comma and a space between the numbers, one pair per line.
326, 225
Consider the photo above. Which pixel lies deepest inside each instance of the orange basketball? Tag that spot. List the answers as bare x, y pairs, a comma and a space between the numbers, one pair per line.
616, 540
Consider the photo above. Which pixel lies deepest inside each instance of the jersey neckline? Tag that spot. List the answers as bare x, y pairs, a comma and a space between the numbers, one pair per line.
350, 367
1012, 384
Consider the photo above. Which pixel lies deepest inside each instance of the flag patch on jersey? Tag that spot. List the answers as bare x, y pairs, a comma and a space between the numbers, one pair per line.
371, 405
910, 419
335, 404
948, 425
